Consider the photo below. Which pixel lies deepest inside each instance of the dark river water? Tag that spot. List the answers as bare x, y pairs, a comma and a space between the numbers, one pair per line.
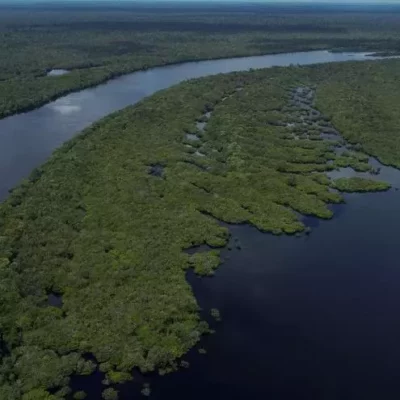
311, 317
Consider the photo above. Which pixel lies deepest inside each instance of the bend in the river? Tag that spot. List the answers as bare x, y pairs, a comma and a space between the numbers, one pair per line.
27, 140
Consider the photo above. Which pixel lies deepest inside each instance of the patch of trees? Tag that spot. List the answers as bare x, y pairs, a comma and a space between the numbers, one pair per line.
355, 184
364, 102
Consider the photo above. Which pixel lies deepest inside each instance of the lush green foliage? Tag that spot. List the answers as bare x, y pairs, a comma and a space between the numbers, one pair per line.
205, 263
80, 395
364, 102
360, 185
97, 44
110, 221
110, 394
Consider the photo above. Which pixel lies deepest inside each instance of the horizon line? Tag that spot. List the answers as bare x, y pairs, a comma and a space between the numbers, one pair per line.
213, 2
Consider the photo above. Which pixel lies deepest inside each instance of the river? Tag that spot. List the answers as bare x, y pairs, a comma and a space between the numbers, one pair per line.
28, 139
313, 317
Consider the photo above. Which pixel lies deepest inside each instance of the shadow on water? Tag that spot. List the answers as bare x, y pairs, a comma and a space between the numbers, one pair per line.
198, 249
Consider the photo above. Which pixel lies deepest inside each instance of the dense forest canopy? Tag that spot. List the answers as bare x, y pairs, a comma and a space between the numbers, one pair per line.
95, 245
99, 43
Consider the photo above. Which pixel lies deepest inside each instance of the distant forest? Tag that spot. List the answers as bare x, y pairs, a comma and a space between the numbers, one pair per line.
98, 43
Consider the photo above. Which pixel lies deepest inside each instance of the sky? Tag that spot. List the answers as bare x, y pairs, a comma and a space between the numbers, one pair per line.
267, 1
223, 1
347, 2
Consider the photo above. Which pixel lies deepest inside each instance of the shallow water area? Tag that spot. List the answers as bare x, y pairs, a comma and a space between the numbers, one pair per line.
384, 173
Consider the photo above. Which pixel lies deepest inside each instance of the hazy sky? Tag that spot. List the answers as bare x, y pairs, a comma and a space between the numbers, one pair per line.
344, 2
224, 1
271, 1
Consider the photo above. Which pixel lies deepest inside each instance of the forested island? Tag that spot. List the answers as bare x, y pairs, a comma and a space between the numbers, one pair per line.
97, 43
95, 245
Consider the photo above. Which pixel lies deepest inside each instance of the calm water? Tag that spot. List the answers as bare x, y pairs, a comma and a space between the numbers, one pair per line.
27, 140
315, 317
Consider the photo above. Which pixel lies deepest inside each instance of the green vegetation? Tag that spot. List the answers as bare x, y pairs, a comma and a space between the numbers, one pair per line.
96, 43
205, 263
110, 394
118, 376
364, 103
109, 220
360, 185
81, 395
215, 314
355, 160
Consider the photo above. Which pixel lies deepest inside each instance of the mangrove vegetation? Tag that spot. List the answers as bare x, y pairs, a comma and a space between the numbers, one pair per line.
360, 185
112, 222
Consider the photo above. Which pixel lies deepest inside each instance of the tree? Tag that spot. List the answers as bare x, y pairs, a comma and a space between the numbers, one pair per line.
110, 394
